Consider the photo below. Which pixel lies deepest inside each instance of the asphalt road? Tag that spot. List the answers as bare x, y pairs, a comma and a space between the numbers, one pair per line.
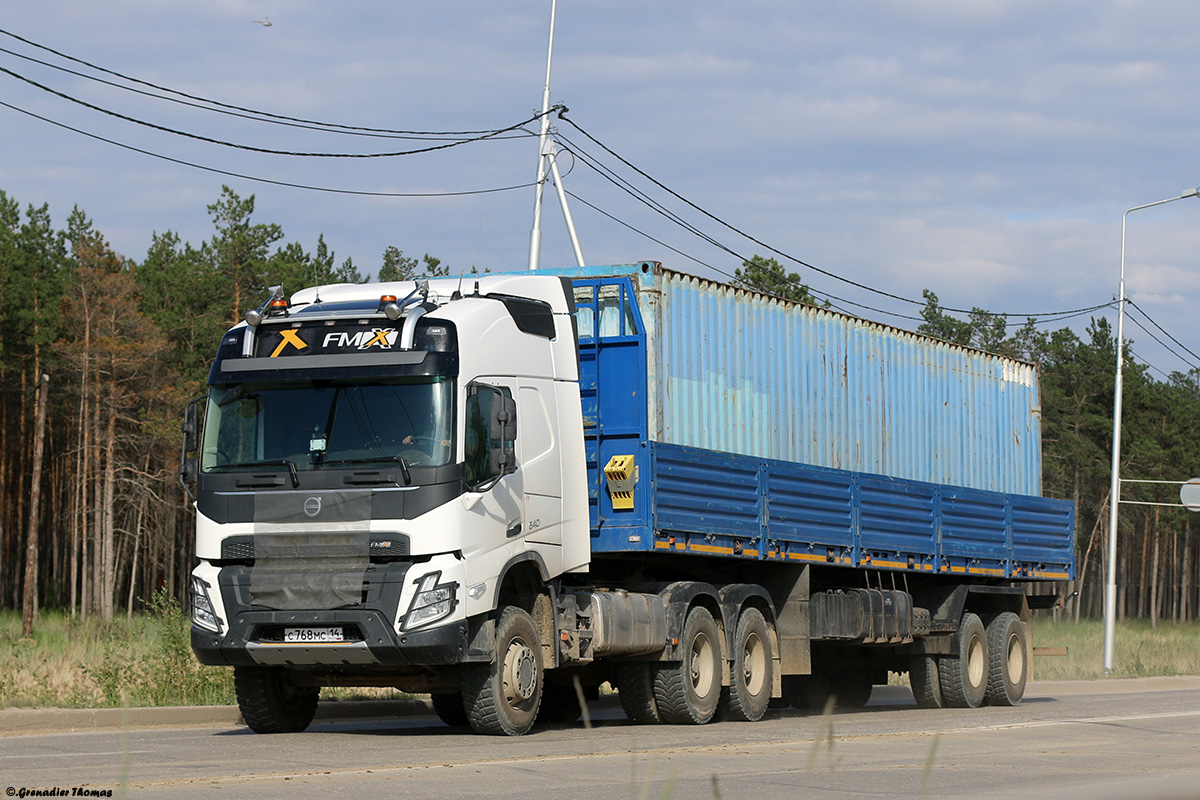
1093, 741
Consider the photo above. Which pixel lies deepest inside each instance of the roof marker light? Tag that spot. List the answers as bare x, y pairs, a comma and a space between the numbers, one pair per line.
388, 305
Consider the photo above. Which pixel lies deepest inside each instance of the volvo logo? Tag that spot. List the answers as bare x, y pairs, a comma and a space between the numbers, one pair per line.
312, 506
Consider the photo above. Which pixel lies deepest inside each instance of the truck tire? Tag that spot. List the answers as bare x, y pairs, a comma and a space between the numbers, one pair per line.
502, 698
751, 670
449, 708
560, 705
924, 680
806, 692
963, 676
270, 703
1007, 664
635, 687
687, 692
851, 689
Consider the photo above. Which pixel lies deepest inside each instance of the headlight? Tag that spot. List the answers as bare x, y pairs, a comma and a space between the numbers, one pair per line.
433, 601
203, 615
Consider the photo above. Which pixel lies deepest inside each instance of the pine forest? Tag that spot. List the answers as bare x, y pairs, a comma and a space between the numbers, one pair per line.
99, 354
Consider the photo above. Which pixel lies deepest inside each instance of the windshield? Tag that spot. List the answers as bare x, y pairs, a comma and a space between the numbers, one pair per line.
317, 424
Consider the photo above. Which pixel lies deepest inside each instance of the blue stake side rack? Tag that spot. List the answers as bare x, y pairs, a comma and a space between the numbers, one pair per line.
702, 501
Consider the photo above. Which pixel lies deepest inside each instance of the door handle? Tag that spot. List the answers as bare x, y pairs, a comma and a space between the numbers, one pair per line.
513, 530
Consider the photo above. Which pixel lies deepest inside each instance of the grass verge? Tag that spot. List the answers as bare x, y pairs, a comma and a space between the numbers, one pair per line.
148, 660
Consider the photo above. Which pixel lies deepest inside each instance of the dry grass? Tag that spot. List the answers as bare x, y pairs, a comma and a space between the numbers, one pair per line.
147, 660
1139, 651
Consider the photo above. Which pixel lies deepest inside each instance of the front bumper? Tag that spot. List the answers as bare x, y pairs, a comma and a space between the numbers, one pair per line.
255, 638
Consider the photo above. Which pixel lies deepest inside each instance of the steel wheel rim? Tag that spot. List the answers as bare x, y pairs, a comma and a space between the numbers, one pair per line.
976, 662
754, 662
519, 673
701, 666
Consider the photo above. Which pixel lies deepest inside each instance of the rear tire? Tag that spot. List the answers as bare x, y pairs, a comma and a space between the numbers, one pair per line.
687, 692
635, 687
806, 692
560, 705
964, 675
270, 703
925, 682
449, 708
1007, 662
851, 689
502, 698
752, 670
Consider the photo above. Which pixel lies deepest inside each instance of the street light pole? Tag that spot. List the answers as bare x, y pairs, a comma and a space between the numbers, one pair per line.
1114, 495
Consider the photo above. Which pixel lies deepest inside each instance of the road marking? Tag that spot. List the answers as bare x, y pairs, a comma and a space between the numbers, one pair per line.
73, 755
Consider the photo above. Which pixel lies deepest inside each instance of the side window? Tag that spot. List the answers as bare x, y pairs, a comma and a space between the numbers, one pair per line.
490, 435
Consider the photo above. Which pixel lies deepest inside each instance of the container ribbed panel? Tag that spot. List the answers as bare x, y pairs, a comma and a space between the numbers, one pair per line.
741, 372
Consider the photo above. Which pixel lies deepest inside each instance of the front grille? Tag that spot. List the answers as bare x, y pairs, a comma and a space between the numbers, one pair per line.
380, 547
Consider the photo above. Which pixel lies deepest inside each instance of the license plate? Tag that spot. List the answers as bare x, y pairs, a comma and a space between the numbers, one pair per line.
312, 635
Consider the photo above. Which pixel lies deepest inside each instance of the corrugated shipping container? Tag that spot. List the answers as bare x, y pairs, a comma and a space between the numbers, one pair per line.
740, 372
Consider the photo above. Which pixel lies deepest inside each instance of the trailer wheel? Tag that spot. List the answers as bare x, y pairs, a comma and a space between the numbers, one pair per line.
688, 692
449, 708
851, 689
502, 698
806, 692
926, 686
964, 675
635, 687
751, 676
270, 703
1006, 660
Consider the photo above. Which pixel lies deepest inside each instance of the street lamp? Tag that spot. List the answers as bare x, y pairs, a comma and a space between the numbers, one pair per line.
1110, 589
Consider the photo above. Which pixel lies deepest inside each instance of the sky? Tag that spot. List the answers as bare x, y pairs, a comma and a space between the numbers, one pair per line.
986, 151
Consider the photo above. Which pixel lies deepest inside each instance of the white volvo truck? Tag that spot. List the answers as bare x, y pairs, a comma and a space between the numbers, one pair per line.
510, 490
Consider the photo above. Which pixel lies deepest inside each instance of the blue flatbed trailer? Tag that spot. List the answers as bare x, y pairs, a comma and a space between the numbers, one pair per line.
703, 501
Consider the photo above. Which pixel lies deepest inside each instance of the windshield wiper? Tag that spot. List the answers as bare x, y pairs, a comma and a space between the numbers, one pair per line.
282, 462
369, 459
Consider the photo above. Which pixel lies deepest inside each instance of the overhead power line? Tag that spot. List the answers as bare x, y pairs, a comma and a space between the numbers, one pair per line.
255, 116
1150, 319
1191, 364
219, 104
801, 262
243, 176
267, 150
628, 188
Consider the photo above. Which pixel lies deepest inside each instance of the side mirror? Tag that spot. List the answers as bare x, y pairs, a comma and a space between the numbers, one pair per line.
191, 427
189, 468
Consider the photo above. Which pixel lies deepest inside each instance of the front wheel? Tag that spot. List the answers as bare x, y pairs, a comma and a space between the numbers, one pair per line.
449, 708
270, 703
687, 692
502, 698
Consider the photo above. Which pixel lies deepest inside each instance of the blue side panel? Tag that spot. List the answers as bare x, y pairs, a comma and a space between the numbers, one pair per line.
810, 507
685, 498
1043, 533
970, 521
897, 518
702, 501
720, 504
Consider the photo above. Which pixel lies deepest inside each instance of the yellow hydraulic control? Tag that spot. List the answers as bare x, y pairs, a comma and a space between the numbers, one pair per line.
620, 474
